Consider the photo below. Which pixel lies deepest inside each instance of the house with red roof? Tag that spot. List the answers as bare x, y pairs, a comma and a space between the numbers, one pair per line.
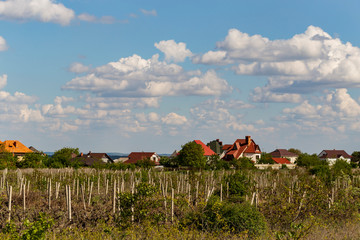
207, 151
242, 148
332, 155
283, 153
136, 156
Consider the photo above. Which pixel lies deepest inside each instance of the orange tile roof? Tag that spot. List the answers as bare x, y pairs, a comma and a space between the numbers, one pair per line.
16, 147
281, 160
207, 150
241, 146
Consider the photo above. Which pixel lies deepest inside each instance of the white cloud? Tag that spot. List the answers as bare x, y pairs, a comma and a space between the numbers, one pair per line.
173, 51
307, 62
266, 95
3, 45
149, 12
40, 10
174, 119
3, 81
138, 77
338, 111
103, 20
77, 67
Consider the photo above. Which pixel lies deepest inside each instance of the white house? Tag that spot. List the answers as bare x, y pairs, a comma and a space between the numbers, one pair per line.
332, 155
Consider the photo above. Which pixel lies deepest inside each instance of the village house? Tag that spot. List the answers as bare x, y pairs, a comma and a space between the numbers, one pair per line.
332, 155
16, 148
91, 158
283, 153
242, 148
136, 156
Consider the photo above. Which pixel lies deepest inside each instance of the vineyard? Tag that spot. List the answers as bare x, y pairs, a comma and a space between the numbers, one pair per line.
142, 203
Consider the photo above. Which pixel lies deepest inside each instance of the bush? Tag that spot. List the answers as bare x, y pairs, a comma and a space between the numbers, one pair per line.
242, 163
228, 217
341, 167
145, 163
239, 184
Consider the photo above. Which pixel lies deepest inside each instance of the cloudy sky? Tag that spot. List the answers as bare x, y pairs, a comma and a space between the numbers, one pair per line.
122, 76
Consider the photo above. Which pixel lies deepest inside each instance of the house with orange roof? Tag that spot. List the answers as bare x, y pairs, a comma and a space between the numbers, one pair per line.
243, 148
16, 148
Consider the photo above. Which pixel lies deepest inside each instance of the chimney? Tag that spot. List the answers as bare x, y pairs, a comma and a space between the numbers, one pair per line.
81, 154
248, 140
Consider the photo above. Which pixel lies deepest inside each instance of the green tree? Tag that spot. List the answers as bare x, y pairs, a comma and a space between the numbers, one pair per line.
32, 160
192, 155
7, 159
266, 158
295, 150
341, 167
61, 157
306, 160
355, 157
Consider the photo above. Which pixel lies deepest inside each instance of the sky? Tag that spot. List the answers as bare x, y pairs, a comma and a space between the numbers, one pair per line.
123, 76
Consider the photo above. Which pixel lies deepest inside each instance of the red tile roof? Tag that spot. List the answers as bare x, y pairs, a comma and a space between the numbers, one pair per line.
242, 146
281, 160
207, 150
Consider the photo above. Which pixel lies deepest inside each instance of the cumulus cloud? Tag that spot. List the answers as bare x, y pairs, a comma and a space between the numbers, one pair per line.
174, 119
3, 45
77, 67
173, 51
338, 111
137, 77
39, 10
305, 63
149, 12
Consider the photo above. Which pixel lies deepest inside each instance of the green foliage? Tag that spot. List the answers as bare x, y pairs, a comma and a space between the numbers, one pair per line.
228, 217
266, 158
145, 163
306, 160
32, 160
239, 184
61, 158
140, 201
355, 157
215, 163
341, 167
242, 163
192, 155
169, 162
295, 150
36, 230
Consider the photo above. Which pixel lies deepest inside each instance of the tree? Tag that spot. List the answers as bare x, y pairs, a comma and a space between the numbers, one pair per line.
355, 157
295, 150
61, 157
266, 158
7, 159
192, 155
32, 160
306, 160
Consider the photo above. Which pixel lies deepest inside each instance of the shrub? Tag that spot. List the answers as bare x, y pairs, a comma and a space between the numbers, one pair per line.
228, 217
239, 184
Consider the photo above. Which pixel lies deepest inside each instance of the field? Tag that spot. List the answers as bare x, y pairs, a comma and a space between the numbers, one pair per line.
92, 204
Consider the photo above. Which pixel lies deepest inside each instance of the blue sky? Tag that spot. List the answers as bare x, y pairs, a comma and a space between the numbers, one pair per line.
122, 76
